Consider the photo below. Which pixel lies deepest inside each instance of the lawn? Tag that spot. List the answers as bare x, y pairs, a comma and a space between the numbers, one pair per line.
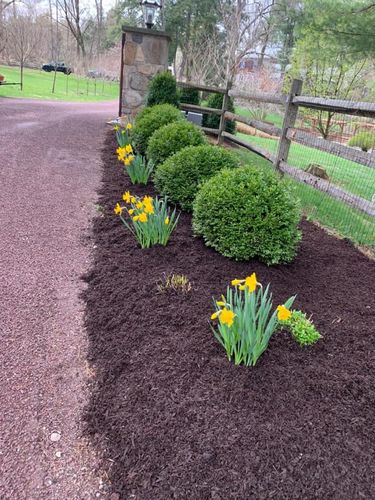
38, 85
274, 118
329, 212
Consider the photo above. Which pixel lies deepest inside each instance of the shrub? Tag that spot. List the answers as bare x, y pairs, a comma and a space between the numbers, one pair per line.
364, 140
147, 122
172, 138
162, 90
148, 219
246, 213
213, 121
247, 321
180, 175
189, 96
302, 329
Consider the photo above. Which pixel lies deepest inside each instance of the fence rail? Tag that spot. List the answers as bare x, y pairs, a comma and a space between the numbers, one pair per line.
289, 133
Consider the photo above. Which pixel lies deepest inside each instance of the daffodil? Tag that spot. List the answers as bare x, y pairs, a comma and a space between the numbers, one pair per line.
166, 222
118, 209
149, 209
131, 211
128, 148
139, 204
116, 128
127, 197
250, 283
129, 126
283, 314
226, 316
126, 162
236, 282
143, 217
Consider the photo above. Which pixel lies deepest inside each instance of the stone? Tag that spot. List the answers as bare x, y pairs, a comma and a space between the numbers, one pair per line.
139, 81
317, 171
139, 56
146, 69
130, 52
55, 436
132, 98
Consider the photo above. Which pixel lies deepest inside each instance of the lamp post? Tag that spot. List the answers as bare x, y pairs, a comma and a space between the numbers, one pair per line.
149, 12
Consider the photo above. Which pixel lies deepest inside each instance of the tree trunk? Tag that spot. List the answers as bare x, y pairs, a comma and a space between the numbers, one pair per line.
21, 75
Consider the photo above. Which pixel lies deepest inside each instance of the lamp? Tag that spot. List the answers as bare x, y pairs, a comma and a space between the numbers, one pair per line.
149, 12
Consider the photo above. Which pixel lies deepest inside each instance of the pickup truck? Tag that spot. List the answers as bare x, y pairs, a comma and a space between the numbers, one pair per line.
58, 66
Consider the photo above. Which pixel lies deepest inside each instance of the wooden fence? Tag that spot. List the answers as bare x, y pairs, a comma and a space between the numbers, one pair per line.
289, 133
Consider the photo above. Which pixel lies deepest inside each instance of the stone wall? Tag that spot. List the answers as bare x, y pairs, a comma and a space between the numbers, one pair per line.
145, 53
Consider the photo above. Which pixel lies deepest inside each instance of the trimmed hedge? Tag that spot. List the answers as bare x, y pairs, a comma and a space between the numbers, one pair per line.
213, 121
172, 138
247, 213
163, 90
180, 176
151, 119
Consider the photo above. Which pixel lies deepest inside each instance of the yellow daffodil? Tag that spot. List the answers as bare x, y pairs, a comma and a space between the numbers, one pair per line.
118, 209
126, 162
283, 314
227, 317
143, 217
116, 128
148, 199
136, 218
149, 209
139, 204
129, 126
236, 282
131, 211
220, 303
128, 148
166, 222
127, 197
215, 315
251, 282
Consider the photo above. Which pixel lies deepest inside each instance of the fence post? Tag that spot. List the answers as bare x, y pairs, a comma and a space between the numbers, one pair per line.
224, 108
290, 116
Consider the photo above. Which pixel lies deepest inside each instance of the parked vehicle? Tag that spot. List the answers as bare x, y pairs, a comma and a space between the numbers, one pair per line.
58, 66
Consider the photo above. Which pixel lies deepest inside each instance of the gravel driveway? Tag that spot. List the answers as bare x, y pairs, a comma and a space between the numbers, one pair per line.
50, 170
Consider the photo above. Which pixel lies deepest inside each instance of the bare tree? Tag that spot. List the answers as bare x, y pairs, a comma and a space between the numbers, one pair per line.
73, 15
23, 37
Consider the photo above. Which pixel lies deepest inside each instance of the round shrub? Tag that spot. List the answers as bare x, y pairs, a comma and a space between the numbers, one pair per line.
189, 96
364, 140
162, 90
171, 138
180, 176
246, 213
151, 119
213, 121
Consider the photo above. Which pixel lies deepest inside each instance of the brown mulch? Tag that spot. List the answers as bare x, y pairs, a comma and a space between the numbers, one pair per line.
174, 419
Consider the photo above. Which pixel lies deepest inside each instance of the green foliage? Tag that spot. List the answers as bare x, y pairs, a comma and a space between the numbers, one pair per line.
149, 219
151, 119
190, 96
213, 121
302, 329
162, 90
123, 135
248, 213
364, 140
246, 321
180, 176
172, 138
139, 170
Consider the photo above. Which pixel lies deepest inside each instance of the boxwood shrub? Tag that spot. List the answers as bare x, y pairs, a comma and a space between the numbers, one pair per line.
180, 176
151, 119
163, 90
246, 213
190, 96
171, 138
213, 121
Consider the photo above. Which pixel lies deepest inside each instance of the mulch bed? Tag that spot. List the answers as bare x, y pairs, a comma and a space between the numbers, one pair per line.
174, 419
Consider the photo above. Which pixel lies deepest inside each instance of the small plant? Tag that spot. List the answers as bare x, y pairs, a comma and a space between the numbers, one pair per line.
247, 213
148, 219
172, 138
163, 90
123, 134
178, 283
258, 114
302, 329
151, 119
181, 175
246, 320
139, 170
213, 121
364, 140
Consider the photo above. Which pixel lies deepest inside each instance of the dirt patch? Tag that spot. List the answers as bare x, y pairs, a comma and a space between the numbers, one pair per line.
174, 419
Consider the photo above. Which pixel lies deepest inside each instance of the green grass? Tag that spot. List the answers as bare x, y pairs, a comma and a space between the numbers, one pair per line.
329, 212
38, 85
351, 176
274, 118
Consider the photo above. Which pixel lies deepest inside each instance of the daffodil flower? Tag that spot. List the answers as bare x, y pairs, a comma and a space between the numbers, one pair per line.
250, 283
166, 222
143, 217
118, 209
127, 197
116, 128
129, 126
226, 316
283, 314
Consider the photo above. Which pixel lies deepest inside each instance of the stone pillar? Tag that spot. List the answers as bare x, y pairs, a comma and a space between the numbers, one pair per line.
144, 53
